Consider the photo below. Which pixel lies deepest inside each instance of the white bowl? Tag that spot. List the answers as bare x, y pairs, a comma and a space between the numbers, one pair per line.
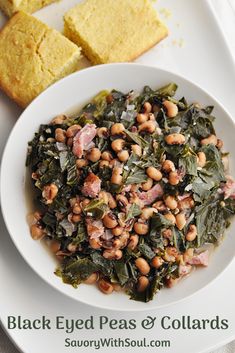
65, 96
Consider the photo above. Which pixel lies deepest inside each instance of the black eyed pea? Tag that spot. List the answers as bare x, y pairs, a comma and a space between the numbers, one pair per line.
212, 139
137, 150
142, 284
106, 156
160, 206
94, 155
175, 139
180, 220
49, 193
133, 241
72, 247
110, 220
76, 218
116, 176
170, 217
77, 208
122, 201
72, 130
154, 173
111, 201
174, 178
108, 199
117, 244
117, 145
147, 185
192, 233
171, 108
102, 132
123, 156
84, 203
112, 254
80, 163
36, 231
147, 107
142, 118
91, 279
168, 166
105, 286
117, 129
60, 135
117, 231
124, 239
170, 254
148, 126
171, 202
141, 228
59, 120
142, 265
201, 159
186, 203
147, 212
103, 164
94, 243
157, 262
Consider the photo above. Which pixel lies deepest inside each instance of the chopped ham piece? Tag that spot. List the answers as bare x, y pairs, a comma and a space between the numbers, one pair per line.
150, 196
184, 270
229, 188
184, 196
92, 185
95, 228
201, 259
82, 140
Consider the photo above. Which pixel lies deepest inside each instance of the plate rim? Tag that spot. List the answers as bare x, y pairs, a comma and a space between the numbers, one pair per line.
25, 112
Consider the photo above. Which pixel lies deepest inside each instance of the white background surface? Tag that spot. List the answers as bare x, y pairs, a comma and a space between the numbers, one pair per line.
208, 67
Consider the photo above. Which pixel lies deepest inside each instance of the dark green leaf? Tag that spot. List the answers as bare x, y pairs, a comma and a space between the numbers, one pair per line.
146, 251
168, 90
121, 272
96, 208
133, 211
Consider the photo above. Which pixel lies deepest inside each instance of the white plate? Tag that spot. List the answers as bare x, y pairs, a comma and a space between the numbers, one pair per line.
87, 83
205, 59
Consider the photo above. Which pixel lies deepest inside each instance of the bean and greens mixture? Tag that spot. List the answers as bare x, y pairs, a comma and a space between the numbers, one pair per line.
130, 190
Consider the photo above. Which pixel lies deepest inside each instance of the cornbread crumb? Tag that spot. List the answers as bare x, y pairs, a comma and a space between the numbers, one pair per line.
165, 12
33, 56
178, 42
114, 31
9, 7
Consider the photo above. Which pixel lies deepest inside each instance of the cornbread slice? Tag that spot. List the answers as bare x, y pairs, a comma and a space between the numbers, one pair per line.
33, 56
114, 31
9, 7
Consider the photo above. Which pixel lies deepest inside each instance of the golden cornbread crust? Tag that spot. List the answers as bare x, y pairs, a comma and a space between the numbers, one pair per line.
33, 56
9, 7
114, 31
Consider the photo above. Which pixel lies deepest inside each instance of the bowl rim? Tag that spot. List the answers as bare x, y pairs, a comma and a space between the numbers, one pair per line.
2, 200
